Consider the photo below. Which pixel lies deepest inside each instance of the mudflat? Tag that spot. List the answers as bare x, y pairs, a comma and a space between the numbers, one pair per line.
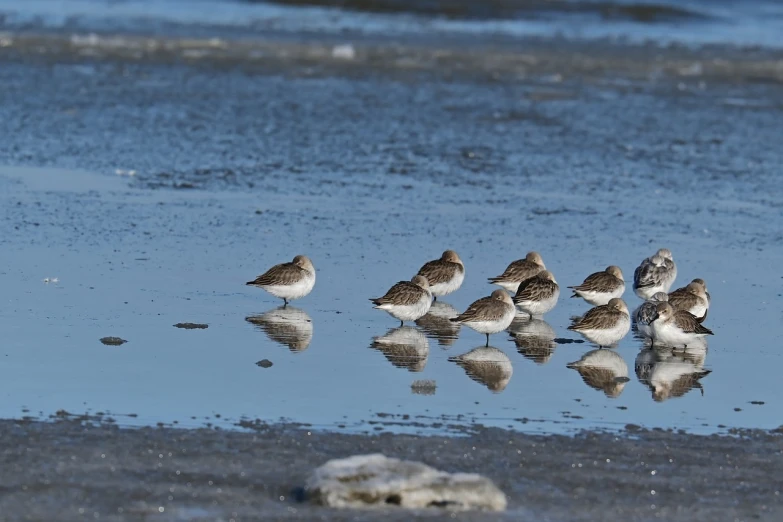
73, 470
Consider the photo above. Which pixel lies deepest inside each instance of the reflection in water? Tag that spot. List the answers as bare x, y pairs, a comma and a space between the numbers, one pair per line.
603, 370
437, 325
426, 387
486, 365
286, 325
404, 347
535, 338
671, 373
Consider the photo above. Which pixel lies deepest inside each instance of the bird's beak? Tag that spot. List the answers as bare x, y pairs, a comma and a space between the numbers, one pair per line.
656, 316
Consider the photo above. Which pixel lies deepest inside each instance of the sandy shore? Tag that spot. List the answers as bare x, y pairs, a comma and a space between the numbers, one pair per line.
68, 471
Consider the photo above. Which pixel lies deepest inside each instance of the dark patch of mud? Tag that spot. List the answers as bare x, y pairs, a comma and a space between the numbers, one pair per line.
191, 326
173, 474
113, 341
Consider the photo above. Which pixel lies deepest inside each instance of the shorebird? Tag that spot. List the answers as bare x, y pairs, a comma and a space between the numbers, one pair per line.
602, 370
676, 327
445, 275
288, 281
605, 324
655, 274
645, 313
692, 298
519, 271
488, 315
600, 287
537, 295
407, 300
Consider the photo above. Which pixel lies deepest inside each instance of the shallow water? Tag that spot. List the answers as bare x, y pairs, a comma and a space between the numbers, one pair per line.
132, 262
692, 22
153, 192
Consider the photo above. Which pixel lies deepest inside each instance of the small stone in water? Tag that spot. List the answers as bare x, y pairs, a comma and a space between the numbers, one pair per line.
113, 341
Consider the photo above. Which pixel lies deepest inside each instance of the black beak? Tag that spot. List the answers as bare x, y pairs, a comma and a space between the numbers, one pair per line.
656, 316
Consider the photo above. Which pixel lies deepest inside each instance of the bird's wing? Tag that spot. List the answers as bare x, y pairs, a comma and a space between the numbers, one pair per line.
282, 274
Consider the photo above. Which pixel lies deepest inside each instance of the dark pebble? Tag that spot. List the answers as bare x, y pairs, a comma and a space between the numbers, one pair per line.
264, 363
113, 341
192, 326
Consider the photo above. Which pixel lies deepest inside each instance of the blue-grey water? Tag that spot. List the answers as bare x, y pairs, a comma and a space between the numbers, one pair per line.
691, 22
152, 186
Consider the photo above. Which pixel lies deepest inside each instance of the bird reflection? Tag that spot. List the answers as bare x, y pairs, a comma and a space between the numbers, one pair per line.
486, 365
286, 325
436, 323
671, 373
404, 347
535, 338
603, 370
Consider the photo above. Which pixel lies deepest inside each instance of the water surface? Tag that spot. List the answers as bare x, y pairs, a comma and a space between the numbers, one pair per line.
152, 191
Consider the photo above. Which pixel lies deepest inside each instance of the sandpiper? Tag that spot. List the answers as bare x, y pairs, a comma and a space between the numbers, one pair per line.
445, 275
518, 271
644, 315
602, 370
655, 274
676, 327
693, 298
600, 287
537, 295
605, 324
288, 280
489, 315
407, 300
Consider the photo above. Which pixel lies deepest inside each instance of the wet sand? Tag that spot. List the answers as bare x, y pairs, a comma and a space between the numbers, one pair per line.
69, 471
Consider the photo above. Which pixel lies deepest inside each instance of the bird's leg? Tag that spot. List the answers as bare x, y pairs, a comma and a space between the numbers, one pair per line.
402, 323
285, 302
487, 340
434, 298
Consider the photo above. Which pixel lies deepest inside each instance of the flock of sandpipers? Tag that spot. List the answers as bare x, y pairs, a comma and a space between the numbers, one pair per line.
670, 319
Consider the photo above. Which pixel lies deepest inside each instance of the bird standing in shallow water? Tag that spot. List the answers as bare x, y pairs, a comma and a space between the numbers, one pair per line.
445, 275
692, 298
537, 295
488, 315
406, 300
605, 324
288, 280
676, 327
600, 287
518, 271
655, 274
645, 314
